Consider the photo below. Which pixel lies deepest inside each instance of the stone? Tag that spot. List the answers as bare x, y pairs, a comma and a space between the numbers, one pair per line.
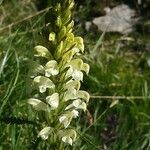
119, 19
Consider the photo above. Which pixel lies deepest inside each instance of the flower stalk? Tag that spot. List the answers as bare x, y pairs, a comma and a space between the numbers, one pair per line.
57, 73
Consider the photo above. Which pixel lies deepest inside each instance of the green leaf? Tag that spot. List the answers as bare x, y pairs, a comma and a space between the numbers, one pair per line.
59, 49
71, 4
147, 57
70, 26
66, 16
68, 56
114, 102
58, 21
62, 33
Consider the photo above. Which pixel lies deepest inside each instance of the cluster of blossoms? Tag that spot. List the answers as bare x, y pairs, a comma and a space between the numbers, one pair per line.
57, 73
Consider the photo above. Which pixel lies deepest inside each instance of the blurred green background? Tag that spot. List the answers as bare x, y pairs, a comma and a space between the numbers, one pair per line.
120, 66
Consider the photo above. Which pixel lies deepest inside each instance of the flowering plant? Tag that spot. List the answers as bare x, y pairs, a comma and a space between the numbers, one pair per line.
57, 73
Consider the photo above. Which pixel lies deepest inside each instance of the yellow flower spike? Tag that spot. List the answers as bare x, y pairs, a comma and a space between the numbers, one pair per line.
63, 100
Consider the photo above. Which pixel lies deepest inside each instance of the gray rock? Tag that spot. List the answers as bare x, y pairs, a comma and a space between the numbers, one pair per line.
119, 19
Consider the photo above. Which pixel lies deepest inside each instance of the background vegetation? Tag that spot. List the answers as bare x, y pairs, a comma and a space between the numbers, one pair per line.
118, 119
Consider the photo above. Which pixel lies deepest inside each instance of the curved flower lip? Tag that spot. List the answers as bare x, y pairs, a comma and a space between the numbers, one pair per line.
76, 63
73, 84
75, 113
51, 68
66, 118
70, 94
77, 104
68, 135
44, 133
42, 51
79, 43
83, 95
76, 68
51, 71
67, 139
38, 104
76, 74
86, 68
42, 89
43, 83
53, 100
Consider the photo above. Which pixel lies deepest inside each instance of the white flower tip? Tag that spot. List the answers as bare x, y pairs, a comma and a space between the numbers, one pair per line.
75, 113
53, 100
37, 79
44, 133
68, 135
77, 75
67, 139
51, 71
42, 89
62, 118
65, 120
